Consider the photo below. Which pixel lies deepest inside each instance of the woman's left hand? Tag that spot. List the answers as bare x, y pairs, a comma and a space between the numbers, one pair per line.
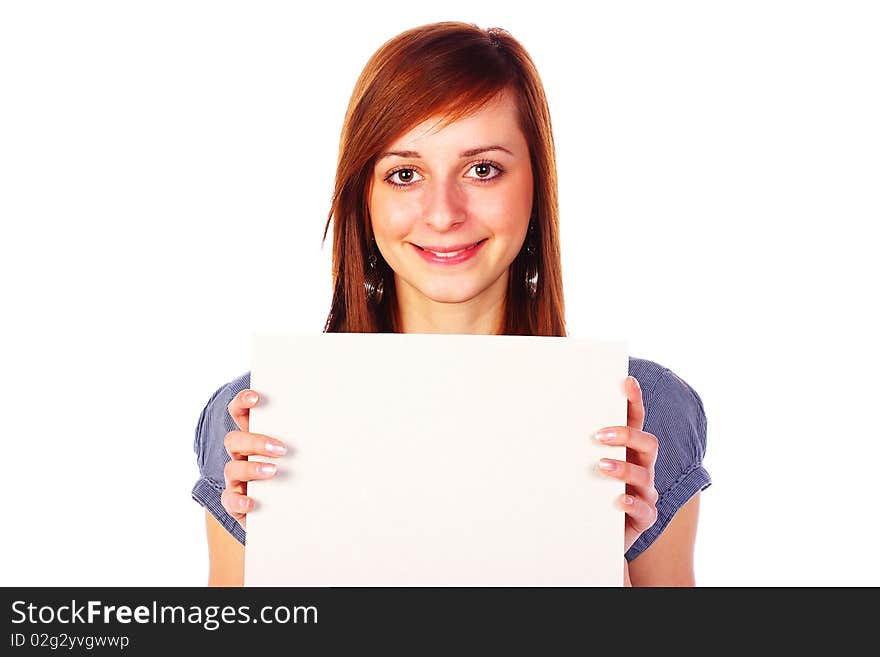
640, 500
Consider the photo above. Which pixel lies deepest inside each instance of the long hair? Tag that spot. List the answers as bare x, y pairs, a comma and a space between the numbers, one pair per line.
447, 69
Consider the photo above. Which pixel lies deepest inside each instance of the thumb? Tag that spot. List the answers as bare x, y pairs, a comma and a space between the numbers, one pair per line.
240, 408
635, 407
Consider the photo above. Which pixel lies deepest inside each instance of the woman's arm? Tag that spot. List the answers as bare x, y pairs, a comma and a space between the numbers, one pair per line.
669, 560
225, 555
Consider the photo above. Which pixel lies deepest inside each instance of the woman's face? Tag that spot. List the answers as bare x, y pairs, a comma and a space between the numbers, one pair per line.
448, 189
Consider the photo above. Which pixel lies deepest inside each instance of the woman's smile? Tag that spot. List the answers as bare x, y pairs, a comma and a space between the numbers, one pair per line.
449, 256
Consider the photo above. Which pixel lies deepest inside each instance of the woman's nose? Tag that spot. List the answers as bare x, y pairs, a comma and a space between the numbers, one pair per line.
445, 205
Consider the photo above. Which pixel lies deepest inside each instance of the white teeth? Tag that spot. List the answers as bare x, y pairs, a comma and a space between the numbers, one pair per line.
452, 254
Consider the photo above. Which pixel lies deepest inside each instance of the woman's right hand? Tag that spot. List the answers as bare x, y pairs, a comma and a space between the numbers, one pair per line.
239, 445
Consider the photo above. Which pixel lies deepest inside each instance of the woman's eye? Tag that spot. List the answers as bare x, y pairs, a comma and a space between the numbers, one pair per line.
484, 171
402, 177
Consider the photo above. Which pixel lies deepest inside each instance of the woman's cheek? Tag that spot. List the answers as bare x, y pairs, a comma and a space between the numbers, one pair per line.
397, 217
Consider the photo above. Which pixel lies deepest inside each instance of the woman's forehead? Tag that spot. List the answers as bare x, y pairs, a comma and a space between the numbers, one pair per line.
496, 120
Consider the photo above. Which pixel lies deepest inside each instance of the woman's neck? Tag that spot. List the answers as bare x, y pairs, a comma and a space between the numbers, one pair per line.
481, 315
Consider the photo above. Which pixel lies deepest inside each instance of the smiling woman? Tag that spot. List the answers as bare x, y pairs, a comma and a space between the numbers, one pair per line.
451, 230
445, 220
447, 143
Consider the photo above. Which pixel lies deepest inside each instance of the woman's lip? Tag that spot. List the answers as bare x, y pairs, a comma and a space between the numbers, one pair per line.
448, 249
466, 254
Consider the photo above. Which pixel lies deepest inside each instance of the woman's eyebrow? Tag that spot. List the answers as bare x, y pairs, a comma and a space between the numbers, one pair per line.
468, 153
483, 149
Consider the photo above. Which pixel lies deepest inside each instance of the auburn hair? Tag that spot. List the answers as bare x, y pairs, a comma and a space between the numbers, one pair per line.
447, 69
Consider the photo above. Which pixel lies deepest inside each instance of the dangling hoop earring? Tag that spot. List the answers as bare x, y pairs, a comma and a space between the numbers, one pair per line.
531, 263
374, 283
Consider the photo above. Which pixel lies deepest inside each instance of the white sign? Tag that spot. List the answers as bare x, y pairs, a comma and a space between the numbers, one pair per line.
436, 460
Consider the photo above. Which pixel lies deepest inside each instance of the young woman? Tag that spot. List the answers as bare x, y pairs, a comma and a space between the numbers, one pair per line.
445, 220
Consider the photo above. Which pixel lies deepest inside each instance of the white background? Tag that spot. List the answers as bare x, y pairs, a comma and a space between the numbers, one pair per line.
165, 176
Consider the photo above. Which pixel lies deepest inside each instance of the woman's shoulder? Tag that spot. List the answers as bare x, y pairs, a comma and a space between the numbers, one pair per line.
673, 410
662, 386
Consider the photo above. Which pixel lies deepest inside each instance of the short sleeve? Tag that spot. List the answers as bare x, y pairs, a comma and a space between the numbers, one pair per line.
213, 424
674, 413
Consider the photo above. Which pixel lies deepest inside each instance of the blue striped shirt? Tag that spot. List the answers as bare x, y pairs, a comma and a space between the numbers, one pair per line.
673, 412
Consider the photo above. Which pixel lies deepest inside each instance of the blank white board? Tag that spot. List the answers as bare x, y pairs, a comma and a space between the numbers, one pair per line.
436, 460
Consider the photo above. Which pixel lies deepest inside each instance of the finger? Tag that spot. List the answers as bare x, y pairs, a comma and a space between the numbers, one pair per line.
632, 474
641, 514
635, 408
644, 445
240, 407
236, 504
236, 472
240, 444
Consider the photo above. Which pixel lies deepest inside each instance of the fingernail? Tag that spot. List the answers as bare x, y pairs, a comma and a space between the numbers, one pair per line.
608, 466
275, 448
250, 397
636, 382
266, 468
244, 502
605, 435
628, 500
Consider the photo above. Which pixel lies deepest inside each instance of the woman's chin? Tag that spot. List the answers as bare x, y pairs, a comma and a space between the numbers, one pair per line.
452, 293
